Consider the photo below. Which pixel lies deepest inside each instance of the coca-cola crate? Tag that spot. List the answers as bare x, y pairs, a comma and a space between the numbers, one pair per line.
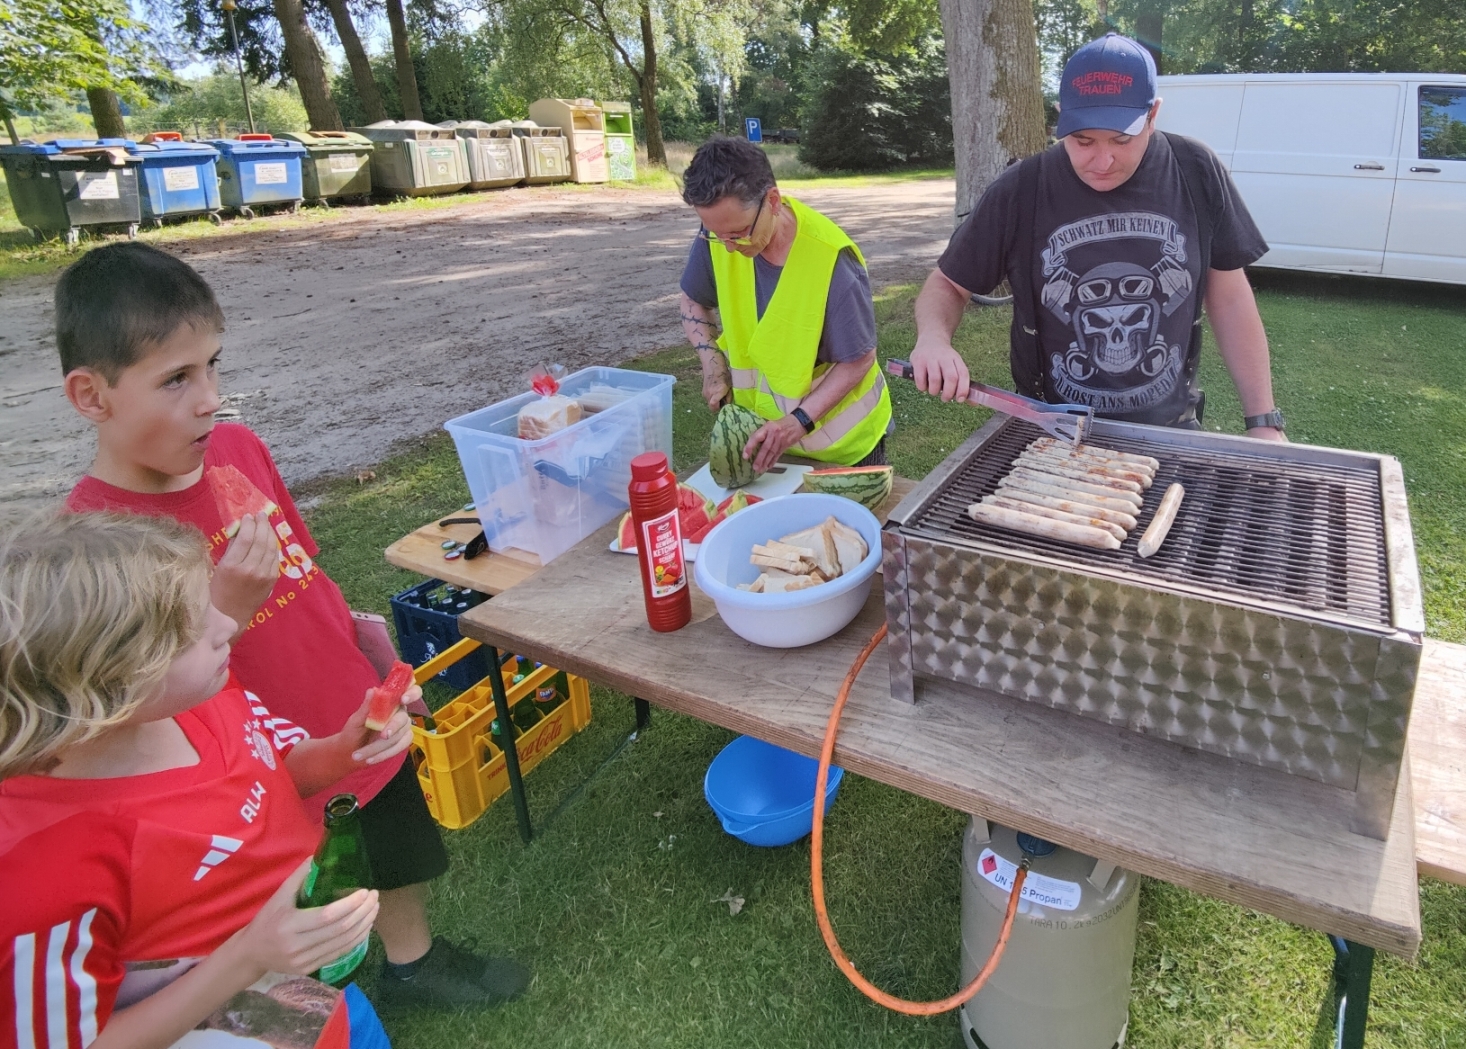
460, 768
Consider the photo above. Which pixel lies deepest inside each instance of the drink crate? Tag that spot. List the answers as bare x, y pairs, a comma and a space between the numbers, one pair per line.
460, 768
423, 633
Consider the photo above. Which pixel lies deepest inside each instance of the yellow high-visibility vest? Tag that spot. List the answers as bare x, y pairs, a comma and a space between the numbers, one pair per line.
773, 359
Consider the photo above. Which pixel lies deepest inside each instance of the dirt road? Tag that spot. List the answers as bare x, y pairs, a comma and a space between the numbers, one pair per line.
347, 336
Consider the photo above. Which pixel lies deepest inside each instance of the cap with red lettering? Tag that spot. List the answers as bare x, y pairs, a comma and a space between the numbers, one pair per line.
1109, 84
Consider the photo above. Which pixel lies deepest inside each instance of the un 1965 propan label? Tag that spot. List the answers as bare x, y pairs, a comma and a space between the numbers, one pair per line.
1044, 891
661, 537
176, 179
270, 175
98, 187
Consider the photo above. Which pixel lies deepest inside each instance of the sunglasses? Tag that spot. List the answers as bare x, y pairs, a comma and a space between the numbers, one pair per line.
739, 242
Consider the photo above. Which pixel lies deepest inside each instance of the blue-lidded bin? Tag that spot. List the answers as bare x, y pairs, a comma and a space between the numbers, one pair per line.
58, 187
259, 170
178, 178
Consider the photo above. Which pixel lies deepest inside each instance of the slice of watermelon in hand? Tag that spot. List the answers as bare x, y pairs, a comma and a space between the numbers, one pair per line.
236, 495
387, 696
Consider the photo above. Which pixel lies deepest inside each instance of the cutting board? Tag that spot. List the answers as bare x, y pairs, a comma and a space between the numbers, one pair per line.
782, 479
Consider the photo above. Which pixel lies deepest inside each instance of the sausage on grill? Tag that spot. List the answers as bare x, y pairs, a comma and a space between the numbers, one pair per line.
1044, 527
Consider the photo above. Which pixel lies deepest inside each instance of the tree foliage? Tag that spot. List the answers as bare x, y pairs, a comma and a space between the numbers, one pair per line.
874, 111
197, 107
53, 49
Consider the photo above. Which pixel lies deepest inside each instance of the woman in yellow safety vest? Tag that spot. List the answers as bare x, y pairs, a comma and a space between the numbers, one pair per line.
793, 298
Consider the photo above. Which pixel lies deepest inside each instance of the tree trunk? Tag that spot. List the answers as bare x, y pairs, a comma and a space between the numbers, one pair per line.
356, 57
307, 66
656, 153
106, 113
997, 96
9, 119
402, 56
1149, 21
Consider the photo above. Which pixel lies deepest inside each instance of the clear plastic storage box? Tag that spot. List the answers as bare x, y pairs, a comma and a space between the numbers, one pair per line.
542, 497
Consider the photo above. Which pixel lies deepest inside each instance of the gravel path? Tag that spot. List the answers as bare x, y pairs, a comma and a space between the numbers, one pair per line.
347, 336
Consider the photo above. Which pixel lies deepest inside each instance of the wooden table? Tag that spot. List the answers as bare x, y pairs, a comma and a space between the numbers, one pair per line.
1247, 835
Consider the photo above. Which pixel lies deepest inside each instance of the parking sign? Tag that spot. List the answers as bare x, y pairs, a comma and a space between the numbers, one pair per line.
755, 129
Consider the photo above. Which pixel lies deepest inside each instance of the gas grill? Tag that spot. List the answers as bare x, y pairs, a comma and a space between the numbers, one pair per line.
1280, 623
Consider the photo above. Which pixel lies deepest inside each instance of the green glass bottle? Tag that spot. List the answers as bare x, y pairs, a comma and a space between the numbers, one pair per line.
338, 869
552, 693
524, 714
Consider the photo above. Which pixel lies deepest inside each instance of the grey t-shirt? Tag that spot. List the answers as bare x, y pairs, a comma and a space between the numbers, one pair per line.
850, 317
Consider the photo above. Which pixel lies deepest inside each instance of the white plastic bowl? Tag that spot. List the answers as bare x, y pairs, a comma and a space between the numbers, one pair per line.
803, 616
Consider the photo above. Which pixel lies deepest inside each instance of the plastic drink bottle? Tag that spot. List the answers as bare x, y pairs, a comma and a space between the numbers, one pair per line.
653, 494
338, 869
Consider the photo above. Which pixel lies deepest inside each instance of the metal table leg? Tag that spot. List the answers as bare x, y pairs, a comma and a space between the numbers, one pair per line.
1353, 971
511, 749
643, 714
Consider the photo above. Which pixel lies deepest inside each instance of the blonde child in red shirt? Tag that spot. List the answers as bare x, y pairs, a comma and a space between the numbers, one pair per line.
150, 808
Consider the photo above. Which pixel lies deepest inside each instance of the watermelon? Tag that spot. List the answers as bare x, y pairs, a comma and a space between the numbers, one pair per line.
234, 496
735, 502
731, 431
867, 485
387, 696
694, 513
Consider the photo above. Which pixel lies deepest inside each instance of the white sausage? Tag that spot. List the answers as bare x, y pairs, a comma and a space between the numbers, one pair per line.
1039, 510
1071, 506
1017, 521
1050, 486
1073, 485
1102, 468
1078, 471
1160, 524
1107, 453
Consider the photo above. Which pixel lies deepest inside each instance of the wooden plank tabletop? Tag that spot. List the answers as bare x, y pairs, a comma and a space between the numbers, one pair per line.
422, 552
1437, 744
1248, 835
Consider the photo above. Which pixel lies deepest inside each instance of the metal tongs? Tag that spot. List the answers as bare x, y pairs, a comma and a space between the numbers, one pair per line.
1067, 422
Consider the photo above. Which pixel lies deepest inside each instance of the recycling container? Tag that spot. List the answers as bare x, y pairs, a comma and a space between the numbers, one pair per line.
411, 158
620, 142
176, 178
337, 164
259, 170
581, 122
546, 152
61, 186
494, 158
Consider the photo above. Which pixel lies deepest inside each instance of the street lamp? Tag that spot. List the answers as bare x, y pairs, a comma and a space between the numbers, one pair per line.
229, 6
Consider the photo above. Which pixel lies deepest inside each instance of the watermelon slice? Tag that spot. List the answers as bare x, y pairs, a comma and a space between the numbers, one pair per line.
737, 501
236, 495
387, 696
626, 534
695, 512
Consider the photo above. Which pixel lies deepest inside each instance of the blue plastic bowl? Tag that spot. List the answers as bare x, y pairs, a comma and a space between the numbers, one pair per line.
763, 794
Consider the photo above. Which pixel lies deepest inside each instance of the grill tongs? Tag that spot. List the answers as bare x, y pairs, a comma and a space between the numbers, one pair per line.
1067, 422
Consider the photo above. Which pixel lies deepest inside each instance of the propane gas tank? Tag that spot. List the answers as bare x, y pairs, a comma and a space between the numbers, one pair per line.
1064, 980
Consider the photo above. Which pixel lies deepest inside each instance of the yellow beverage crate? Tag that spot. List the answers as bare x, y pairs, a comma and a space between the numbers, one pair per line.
461, 770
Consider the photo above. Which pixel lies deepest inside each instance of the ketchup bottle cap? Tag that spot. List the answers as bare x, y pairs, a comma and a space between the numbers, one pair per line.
649, 466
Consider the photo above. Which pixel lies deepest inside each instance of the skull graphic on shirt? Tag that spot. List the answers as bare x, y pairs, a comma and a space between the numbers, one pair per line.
1116, 320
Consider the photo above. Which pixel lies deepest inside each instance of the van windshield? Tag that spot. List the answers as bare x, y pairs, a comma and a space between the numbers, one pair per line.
1443, 123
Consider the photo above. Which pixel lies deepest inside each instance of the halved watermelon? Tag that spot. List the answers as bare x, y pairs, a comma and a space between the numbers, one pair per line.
387, 696
236, 495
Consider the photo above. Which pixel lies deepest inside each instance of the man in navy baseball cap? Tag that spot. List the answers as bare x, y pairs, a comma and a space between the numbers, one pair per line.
1109, 84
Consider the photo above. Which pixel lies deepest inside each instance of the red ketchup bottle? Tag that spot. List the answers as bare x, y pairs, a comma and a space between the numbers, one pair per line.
653, 495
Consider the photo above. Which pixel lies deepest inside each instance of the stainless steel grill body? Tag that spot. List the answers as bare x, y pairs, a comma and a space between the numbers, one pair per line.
1279, 625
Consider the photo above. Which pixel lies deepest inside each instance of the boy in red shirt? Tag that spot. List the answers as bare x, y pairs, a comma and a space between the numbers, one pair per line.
138, 334
148, 820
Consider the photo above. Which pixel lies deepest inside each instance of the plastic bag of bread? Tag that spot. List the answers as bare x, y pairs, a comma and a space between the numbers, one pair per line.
553, 411
545, 416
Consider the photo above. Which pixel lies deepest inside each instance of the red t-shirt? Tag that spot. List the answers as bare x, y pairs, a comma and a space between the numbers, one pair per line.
100, 873
300, 652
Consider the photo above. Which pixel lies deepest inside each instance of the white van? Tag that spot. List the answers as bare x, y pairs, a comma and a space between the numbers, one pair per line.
1343, 172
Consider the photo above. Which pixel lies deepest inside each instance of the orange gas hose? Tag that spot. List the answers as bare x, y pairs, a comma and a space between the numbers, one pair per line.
817, 876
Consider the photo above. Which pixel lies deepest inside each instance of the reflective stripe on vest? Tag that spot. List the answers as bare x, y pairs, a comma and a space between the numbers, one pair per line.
774, 360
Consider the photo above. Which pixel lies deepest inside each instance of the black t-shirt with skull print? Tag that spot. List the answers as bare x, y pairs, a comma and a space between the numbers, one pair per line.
1117, 274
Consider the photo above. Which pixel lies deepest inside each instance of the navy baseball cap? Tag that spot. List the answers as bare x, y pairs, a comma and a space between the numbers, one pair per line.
1108, 84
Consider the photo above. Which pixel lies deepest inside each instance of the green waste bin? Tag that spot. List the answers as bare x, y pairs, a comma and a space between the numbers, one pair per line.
620, 143
337, 163
415, 159
546, 152
494, 157
58, 187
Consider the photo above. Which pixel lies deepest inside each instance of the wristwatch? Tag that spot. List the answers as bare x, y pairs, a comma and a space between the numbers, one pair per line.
803, 419
1273, 418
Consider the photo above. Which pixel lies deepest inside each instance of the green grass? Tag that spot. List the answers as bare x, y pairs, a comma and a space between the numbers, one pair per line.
613, 903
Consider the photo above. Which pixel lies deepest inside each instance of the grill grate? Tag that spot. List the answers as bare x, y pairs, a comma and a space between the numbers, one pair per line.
1309, 536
